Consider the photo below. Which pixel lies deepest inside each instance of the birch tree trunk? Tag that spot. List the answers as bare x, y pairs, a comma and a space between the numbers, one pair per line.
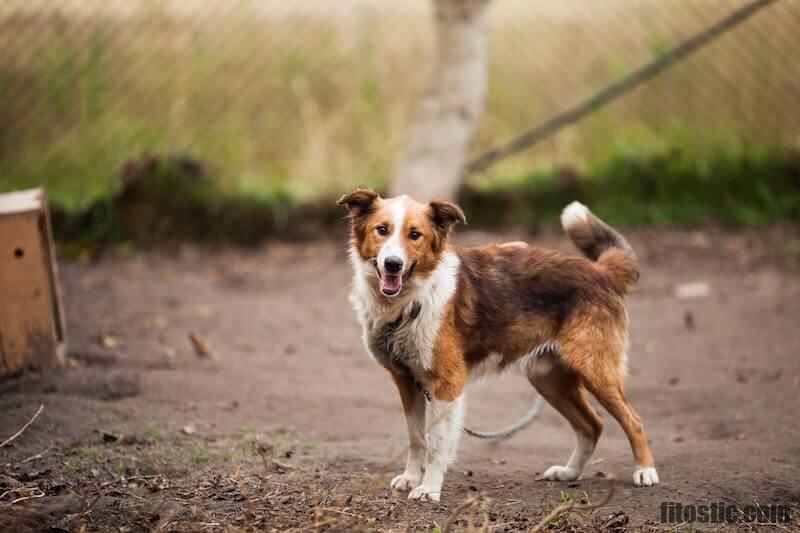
431, 163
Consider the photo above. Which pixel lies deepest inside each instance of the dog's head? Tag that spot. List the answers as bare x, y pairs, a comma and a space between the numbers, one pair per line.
400, 238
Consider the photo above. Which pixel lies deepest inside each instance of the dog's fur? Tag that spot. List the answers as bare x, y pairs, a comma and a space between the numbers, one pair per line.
462, 313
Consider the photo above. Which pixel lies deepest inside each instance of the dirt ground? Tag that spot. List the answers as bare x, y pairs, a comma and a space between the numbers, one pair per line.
288, 424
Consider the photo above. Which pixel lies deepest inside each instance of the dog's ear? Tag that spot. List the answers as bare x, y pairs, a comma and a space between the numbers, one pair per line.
445, 215
359, 202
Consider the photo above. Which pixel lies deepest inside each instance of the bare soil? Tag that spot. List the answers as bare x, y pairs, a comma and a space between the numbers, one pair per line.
275, 418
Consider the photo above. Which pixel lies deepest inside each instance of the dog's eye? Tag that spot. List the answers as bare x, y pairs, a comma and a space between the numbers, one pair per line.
382, 230
414, 235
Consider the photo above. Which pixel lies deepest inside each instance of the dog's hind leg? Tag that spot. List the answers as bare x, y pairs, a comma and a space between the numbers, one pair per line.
561, 387
599, 362
414, 407
611, 396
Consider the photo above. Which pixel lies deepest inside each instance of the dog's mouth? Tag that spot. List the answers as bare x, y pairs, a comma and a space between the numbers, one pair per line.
392, 283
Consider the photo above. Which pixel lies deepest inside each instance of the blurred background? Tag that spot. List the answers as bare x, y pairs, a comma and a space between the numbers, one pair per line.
281, 104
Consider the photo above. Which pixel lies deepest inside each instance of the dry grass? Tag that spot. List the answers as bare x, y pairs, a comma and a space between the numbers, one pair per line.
243, 487
141, 483
313, 97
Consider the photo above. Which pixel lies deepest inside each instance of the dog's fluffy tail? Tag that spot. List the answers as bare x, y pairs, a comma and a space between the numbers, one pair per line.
603, 244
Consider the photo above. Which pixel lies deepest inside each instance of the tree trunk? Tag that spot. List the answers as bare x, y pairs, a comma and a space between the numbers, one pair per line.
433, 158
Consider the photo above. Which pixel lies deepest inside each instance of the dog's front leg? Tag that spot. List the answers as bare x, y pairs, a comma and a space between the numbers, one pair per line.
414, 408
446, 417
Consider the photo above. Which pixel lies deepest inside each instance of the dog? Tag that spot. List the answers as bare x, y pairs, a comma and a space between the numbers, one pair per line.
437, 316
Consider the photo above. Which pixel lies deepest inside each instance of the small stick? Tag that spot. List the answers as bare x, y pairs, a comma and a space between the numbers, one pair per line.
467, 503
36, 494
331, 510
12, 491
564, 507
38, 455
11, 439
317, 523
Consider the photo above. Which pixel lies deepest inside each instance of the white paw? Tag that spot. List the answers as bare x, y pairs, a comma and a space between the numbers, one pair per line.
645, 476
560, 473
425, 494
405, 481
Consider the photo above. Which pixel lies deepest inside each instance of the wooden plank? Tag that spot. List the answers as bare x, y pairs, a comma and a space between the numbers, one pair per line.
49, 248
27, 322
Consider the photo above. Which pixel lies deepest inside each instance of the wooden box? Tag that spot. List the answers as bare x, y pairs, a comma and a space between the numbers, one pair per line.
32, 334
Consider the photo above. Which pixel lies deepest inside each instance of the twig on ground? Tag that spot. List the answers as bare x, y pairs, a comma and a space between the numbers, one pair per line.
12, 491
337, 511
38, 493
466, 504
86, 505
324, 501
13, 437
572, 505
38, 455
317, 520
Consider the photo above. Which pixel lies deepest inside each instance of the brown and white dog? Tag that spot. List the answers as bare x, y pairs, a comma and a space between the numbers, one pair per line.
436, 316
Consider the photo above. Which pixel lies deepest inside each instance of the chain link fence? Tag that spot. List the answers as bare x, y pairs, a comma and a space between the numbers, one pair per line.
316, 96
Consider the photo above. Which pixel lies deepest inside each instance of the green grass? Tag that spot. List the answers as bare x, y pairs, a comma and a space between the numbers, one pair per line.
684, 178
152, 433
201, 454
243, 431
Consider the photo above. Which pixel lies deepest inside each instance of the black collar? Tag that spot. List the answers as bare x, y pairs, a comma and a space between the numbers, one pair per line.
397, 322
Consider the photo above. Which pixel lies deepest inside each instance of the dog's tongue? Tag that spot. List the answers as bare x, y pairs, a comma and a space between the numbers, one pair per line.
391, 282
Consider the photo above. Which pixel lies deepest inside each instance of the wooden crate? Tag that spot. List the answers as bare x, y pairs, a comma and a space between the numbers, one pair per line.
32, 330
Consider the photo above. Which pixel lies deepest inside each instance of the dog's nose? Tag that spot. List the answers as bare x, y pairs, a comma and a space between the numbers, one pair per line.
393, 264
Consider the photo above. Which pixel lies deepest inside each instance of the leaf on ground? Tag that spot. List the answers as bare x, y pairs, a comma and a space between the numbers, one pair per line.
201, 346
